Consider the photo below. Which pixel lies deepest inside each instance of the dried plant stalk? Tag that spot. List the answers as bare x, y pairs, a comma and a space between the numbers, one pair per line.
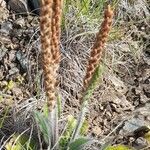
50, 27
98, 46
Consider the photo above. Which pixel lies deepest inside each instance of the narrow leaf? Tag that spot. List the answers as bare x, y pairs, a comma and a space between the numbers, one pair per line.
44, 126
80, 143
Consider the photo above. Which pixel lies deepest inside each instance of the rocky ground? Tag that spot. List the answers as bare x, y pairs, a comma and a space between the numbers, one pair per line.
120, 104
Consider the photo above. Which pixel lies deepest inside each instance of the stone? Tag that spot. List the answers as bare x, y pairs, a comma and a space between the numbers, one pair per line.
19, 6
97, 130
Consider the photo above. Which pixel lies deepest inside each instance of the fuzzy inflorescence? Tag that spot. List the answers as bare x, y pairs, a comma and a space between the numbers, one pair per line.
98, 46
50, 18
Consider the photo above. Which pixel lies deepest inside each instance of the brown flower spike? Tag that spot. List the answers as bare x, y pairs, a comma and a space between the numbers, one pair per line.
98, 46
50, 18
56, 20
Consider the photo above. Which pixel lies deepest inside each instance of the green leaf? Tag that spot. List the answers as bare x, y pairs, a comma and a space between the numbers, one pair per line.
10, 85
79, 143
21, 142
80, 121
71, 124
93, 84
59, 105
84, 128
2, 120
68, 132
106, 145
147, 136
44, 125
1, 98
118, 147
45, 110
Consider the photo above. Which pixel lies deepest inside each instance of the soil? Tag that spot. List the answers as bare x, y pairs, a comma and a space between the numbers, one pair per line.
119, 105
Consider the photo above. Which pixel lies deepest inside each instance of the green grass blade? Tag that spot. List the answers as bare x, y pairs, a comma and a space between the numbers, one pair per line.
80, 143
68, 132
2, 120
59, 106
44, 126
93, 84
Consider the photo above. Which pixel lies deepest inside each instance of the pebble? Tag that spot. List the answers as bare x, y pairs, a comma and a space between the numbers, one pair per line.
6, 27
2, 3
22, 60
3, 51
20, 22
13, 70
97, 130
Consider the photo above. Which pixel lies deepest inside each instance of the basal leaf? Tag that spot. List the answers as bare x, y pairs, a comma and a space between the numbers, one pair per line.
43, 124
80, 143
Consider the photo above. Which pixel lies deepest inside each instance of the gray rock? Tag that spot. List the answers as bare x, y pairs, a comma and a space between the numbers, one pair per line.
25, 6
133, 124
6, 27
18, 5
13, 71
22, 60
3, 51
